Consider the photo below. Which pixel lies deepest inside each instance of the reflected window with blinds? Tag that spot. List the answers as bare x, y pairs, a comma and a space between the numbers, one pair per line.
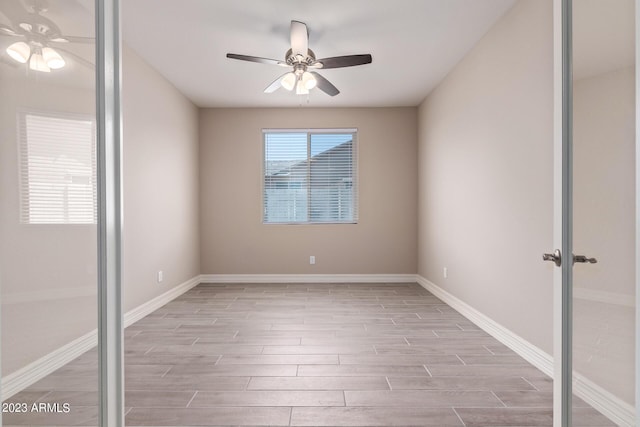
310, 176
57, 168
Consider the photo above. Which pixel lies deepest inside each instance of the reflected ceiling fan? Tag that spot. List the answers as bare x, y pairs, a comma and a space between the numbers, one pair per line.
303, 60
39, 34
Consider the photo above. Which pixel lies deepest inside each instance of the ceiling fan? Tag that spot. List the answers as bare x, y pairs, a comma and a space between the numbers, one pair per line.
39, 34
303, 59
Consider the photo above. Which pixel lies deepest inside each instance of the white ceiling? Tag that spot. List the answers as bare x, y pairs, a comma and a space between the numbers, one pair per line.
414, 44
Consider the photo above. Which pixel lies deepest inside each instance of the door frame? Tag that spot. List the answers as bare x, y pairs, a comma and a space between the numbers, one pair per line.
562, 206
109, 183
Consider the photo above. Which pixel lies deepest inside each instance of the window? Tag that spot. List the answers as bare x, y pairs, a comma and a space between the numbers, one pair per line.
57, 168
310, 176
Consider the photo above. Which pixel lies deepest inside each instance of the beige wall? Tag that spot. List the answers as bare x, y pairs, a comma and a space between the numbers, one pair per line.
161, 206
234, 240
485, 183
48, 272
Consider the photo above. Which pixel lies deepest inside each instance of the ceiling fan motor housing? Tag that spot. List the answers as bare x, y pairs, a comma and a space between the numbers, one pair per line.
292, 59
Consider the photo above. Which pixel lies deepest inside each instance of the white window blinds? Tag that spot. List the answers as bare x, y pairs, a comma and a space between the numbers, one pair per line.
57, 169
310, 176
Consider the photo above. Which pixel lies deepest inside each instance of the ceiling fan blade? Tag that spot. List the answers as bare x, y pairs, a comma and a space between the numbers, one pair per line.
74, 39
256, 59
7, 31
344, 61
299, 39
277, 84
77, 58
325, 85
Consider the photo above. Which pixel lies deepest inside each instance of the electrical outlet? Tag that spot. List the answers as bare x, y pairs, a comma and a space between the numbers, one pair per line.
312, 259
160, 276
445, 272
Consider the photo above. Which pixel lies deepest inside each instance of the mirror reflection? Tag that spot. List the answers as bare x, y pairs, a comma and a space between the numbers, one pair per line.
604, 196
48, 212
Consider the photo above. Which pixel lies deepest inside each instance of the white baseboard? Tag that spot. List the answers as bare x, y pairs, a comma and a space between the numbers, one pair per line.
308, 278
609, 405
525, 349
35, 371
614, 408
132, 316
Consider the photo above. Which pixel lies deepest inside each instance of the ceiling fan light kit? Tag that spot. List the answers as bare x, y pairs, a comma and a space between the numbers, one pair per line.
303, 82
38, 34
52, 58
308, 81
301, 89
289, 81
37, 63
19, 51
42, 59
301, 58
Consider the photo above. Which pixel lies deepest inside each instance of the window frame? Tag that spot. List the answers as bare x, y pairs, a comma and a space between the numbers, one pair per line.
354, 176
24, 215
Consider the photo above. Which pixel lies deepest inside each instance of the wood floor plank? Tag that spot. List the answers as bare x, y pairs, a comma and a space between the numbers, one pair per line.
459, 383
320, 349
270, 398
422, 398
405, 359
188, 382
372, 416
235, 370
318, 383
476, 417
361, 371
216, 416
271, 359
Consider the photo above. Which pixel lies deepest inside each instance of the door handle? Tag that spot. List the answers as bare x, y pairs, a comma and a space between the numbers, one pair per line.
556, 257
584, 259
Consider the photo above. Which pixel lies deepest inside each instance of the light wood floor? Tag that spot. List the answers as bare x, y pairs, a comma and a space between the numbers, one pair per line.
308, 355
